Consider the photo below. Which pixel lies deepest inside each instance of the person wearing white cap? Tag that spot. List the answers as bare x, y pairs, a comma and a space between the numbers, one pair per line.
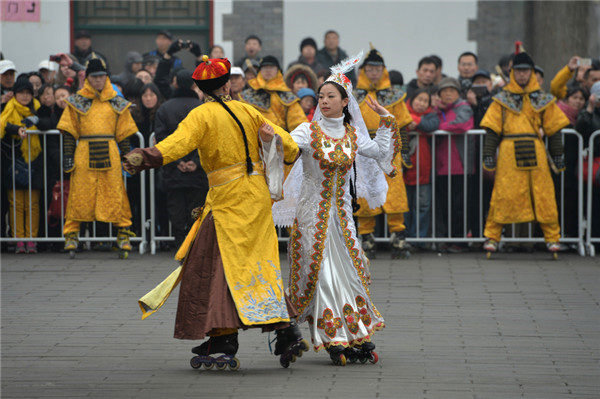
238, 82
48, 69
7, 79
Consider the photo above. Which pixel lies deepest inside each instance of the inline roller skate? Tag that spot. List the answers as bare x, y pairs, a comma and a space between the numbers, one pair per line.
337, 355
362, 353
71, 242
490, 246
368, 245
400, 248
123, 242
225, 344
290, 344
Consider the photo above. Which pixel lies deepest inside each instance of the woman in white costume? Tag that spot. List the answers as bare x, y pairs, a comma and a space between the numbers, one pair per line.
329, 281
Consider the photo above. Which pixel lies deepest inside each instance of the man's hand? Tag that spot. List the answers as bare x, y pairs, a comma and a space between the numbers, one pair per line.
266, 132
182, 166
191, 166
572, 64
6, 97
489, 163
175, 47
471, 97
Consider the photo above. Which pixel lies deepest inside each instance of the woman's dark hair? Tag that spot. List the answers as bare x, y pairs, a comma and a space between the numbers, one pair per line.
577, 89
39, 75
347, 116
43, 88
132, 89
138, 111
64, 87
419, 91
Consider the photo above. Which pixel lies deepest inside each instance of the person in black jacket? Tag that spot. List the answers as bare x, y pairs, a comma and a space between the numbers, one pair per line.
185, 182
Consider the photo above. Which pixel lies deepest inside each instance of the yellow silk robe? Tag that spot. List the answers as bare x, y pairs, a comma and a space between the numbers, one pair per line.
97, 194
523, 194
396, 200
282, 107
240, 206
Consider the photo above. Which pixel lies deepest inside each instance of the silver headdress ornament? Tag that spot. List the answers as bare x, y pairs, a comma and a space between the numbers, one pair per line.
370, 179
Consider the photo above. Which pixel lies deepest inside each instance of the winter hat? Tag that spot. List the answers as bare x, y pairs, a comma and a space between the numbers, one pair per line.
481, 73
523, 61
448, 82
269, 60
165, 33
95, 67
305, 91
539, 70
309, 41
373, 58
23, 84
82, 33
211, 74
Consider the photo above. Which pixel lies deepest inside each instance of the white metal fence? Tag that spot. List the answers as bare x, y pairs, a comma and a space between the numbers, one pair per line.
475, 182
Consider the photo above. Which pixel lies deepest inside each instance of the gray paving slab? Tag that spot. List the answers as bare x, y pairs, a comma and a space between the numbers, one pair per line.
457, 326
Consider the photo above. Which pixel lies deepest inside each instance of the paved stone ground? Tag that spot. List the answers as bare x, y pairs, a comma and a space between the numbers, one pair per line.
458, 326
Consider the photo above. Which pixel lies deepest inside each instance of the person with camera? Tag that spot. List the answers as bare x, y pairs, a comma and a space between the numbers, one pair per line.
168, 63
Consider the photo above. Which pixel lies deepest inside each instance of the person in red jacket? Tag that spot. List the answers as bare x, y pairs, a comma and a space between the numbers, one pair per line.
418, 179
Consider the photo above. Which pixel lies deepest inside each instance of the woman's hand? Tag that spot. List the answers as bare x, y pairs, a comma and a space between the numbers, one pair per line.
375, 106
22, 133
266, 132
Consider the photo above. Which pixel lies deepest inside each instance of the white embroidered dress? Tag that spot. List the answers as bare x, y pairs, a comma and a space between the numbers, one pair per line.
328, 281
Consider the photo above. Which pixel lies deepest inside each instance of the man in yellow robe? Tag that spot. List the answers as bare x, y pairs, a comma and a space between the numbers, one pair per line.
230, 277
523, 187
269, 94
374, 80
102, 123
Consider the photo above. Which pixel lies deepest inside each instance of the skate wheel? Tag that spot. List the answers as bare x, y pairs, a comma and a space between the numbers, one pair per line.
72, 254
363, 360
488, 255
293, 359
406, 255
234, 364
351, 359
374, 357
123, 254
300, 353
304, 345
342, 360
208, 365
555, 255
221, 366
284, 363
195, 362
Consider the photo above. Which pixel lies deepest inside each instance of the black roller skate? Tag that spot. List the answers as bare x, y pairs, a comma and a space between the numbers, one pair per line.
368, 245
337, 355
123, 242
400, 248
225, 344
71, 242
362, 353
290, 344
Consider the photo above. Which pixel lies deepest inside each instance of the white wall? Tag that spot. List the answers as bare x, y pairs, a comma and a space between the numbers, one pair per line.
221, 7
403, 31
28, 43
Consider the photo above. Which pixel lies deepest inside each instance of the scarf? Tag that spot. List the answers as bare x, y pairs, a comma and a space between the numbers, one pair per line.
569, 111
13, 113
275, 84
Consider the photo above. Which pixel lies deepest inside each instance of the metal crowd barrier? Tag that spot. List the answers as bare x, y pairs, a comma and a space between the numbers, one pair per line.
44, 195
583, 240
590, 238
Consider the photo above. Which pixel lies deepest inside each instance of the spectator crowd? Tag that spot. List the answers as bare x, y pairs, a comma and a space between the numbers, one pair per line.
444, 170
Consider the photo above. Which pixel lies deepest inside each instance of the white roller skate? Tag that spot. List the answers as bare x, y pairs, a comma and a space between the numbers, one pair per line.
71, 242
400, 248
490, 246
123, 242
368, 245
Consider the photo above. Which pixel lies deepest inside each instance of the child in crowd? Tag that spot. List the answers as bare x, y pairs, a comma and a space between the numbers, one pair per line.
26, 167
425, 120
308, 102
